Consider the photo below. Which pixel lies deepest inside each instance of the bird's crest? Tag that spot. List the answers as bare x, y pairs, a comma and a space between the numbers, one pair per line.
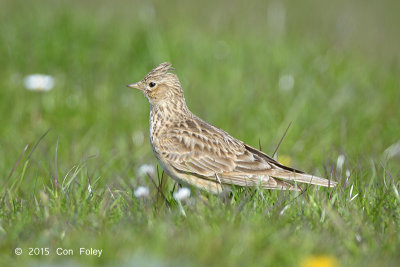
161, 69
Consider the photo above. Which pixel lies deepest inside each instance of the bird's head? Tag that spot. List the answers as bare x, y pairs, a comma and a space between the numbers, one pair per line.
160, 85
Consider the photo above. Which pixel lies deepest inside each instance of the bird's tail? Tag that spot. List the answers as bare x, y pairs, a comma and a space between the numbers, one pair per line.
302, 178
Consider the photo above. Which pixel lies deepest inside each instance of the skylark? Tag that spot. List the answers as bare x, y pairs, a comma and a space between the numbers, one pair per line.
195, 152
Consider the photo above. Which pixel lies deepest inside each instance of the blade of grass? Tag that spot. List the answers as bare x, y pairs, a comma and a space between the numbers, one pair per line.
280, 141
16, 164
55, 167
37, 143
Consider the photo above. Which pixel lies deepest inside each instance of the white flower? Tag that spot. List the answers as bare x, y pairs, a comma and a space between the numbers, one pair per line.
146, 169
347, 173
286, 82
358, 238
182, 194
141, 191
340, 162
39, 82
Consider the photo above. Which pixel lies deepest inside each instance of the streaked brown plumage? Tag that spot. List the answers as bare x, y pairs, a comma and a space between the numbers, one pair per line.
195, 152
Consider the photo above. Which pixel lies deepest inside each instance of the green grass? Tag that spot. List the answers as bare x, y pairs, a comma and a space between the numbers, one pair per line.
345, 62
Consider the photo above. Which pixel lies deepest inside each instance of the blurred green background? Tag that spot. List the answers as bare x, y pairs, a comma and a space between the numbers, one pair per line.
329, 67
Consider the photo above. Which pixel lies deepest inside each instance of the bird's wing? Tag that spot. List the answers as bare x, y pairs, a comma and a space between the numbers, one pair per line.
196, 147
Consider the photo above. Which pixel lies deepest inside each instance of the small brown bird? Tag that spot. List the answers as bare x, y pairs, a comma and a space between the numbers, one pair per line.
195, 152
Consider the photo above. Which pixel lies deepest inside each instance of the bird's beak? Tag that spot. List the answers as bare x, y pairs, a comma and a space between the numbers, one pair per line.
134, 85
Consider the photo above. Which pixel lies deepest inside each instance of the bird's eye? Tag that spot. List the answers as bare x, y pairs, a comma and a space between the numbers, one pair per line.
151, 84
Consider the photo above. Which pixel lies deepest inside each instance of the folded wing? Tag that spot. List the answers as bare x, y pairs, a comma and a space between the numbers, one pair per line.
194, 147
